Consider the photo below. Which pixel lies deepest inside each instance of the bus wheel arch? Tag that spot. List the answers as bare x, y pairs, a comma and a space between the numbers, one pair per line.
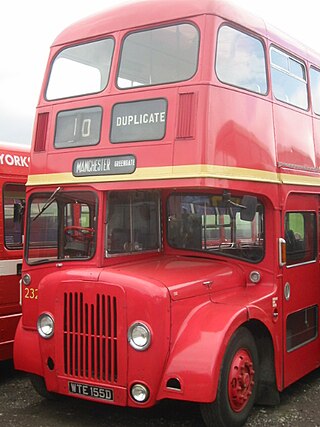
268, 393
237, 389
247, 376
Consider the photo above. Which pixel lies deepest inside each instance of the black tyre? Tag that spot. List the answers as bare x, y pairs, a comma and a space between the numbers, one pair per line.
40, 387
238, 383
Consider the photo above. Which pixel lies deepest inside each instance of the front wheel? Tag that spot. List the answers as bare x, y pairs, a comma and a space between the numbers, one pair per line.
238, 383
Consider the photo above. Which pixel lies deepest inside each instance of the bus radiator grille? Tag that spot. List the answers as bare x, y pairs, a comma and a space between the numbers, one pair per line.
90, 337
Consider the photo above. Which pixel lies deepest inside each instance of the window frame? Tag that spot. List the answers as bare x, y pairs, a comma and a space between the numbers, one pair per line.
313, 91
13, 246
287, 72
264, 49
129, 248
296, 250
55, 249
227, 249
66, 47
298, 330
159, 27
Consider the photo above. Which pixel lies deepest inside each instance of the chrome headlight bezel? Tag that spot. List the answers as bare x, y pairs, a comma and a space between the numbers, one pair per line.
45, 325
139, 393
139, 336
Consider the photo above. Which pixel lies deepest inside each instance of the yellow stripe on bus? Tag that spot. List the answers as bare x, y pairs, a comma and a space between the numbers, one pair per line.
178, 172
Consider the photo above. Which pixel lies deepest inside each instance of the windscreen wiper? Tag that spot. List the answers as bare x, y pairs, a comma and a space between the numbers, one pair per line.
48, 203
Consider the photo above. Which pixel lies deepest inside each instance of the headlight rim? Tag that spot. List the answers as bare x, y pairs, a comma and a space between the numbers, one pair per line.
39, 328
131, 339
143, 387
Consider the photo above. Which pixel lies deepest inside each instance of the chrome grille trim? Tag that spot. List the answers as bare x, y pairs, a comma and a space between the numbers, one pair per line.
90, 337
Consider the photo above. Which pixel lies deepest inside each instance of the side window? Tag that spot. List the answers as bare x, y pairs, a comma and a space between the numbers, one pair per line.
240, 60
14, 198
302, 327
315, 89
300, 236
289, 81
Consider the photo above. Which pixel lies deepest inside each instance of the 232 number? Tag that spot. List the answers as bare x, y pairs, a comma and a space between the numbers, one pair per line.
31, 293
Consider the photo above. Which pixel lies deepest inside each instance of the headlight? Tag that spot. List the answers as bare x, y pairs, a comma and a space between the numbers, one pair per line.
140, 393
45, 325
139, 336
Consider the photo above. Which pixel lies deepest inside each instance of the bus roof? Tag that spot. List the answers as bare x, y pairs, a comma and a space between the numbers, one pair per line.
138, 13
14, 159
13, 146
143, 12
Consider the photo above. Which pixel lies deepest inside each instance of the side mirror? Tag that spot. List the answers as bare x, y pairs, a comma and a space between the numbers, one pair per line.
249, 208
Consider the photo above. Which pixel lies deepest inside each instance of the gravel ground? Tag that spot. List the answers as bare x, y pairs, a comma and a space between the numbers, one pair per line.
21, 406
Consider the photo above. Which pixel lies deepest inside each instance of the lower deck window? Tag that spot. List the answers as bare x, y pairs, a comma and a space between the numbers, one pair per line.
14, 197
133, 222
302, 327
300, 236
213, 223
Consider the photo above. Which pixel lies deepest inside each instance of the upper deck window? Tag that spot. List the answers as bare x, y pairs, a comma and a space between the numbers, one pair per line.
315, 89
240, 60
80, 70
161, 55
289, 81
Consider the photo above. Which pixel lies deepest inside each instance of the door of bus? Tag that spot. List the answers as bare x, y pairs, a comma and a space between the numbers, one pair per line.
12, 201
301, 288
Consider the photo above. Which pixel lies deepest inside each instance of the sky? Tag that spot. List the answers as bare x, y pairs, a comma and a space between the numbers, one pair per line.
28, 28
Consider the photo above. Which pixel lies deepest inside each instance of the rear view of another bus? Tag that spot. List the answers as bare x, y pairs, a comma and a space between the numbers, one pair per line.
14, 164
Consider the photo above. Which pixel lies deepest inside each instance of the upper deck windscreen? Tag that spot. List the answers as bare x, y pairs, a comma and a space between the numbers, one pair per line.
151, 57
80, 70
161, 55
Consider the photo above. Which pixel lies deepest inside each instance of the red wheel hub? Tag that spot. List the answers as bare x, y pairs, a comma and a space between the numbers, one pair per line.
241, 380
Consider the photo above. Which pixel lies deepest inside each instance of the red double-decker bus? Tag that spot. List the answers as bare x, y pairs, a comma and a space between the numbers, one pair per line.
14, 163
172, 241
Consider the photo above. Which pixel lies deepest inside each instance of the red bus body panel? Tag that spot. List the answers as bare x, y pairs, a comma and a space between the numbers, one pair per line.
14, 163
203, 322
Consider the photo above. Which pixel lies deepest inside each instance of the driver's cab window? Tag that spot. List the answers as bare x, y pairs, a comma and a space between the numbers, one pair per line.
300, 236
133, 222
78, 229
61, 226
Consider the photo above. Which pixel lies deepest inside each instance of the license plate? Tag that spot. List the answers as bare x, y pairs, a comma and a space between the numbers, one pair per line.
91, 391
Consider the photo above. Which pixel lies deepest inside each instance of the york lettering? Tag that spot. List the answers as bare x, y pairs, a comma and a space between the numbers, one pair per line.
14, 160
